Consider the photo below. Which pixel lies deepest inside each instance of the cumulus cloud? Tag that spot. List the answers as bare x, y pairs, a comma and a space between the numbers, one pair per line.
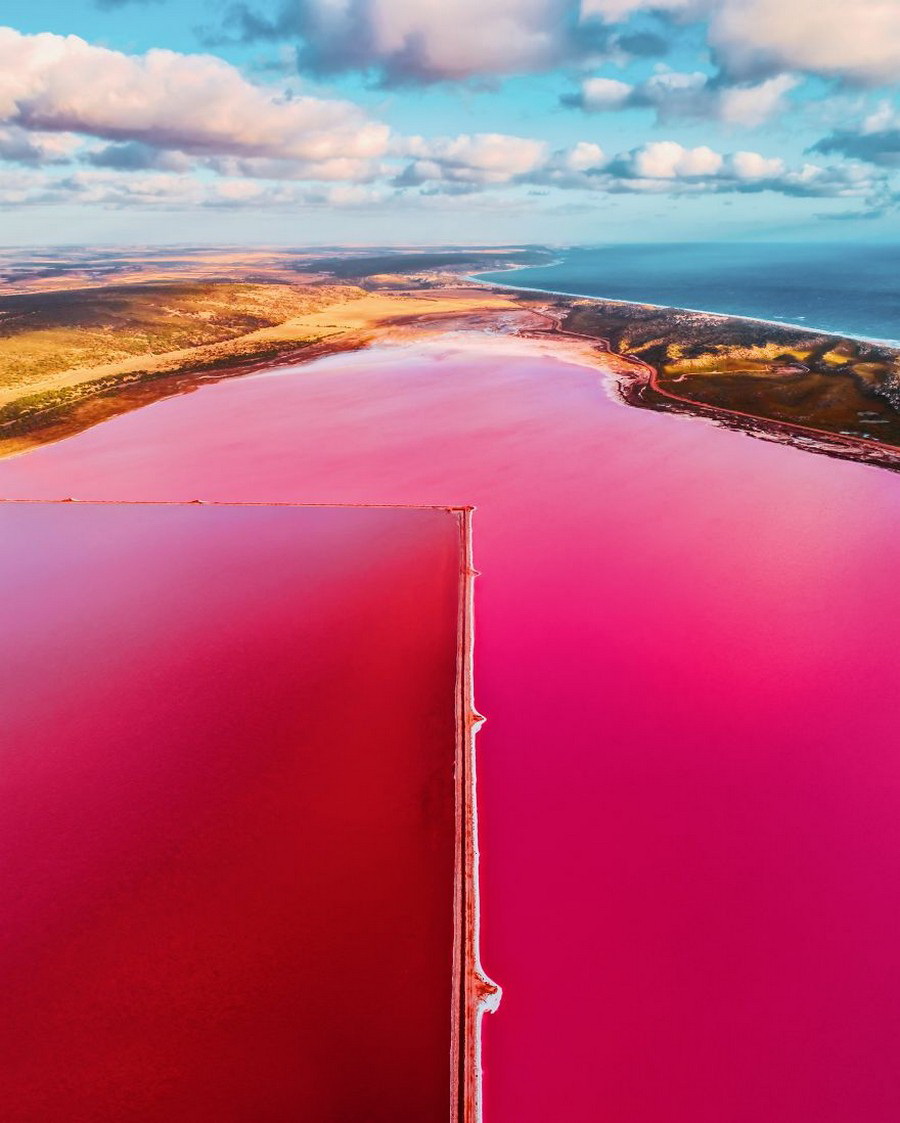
665, 159
476, 164
858, 42
666, 167
502, 169
433, 40
750, 167
170, 130
194, 104
753, 105
481, 159
583, 156
876, 139
675, 96
600, 94
19, 146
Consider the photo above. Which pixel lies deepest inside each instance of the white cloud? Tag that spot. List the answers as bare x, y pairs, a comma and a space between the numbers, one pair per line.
666, 167
462, 166
665, 159
753, 166
751, 106
482, 158
19, 146
858, 40
196, 104
854, 40
430, 40
676, 96
166, 130
583, 156
599, 94
435, 40
463, 38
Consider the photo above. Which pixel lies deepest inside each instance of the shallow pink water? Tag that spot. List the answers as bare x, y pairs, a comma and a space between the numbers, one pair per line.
689, 779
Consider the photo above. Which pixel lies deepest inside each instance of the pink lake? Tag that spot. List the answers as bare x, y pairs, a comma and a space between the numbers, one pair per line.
689, 782
227, 851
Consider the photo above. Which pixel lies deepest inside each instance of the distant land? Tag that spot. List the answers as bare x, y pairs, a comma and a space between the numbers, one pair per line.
86, 334
839, 288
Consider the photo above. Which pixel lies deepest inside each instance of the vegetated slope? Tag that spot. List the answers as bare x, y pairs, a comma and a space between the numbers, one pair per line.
45, 334
771, 371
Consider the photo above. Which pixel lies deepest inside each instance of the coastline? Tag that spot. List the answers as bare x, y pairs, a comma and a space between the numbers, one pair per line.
637, 384
834, 394
749, 364
478, 279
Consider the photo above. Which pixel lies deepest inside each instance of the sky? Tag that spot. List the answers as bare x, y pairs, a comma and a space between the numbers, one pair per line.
382, 122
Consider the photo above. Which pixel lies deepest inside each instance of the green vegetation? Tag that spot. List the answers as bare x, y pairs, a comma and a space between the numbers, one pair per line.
773, 372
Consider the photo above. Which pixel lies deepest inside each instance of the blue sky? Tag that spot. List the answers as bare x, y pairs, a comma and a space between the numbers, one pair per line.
468, 121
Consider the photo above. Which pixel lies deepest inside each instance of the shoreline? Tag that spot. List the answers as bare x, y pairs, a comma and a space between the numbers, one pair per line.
636, 385
47, 415
641, 386
736, 371
476, 278
124, 393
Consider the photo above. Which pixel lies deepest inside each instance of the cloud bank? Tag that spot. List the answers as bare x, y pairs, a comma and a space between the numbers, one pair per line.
194, 104
435, 40
687, 97
90, 125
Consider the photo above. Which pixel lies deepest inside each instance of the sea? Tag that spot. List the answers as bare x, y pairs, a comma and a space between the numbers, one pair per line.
847, 289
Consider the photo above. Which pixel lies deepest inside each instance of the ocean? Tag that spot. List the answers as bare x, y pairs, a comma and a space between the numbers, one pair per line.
848, 289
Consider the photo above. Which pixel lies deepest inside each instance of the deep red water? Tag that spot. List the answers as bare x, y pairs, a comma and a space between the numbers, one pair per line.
228, 829
689, 779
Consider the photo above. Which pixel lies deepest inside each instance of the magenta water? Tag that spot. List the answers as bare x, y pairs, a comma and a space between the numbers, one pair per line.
689, 783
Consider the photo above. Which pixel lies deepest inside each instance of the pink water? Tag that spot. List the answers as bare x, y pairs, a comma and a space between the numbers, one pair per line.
227, 836
689, 778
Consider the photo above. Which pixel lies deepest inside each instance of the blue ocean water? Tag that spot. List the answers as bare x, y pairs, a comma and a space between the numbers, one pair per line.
850, 289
